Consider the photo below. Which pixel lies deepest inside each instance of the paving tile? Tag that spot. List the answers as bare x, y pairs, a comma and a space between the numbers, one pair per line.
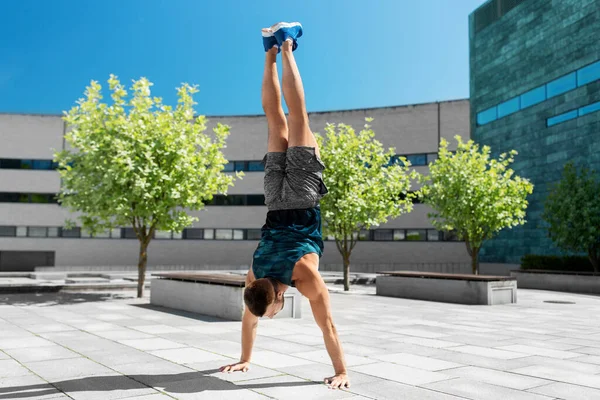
3, 355
588, 359
123, 334
435, 343
156, 329
65, 369
11, 368
305, 340
224, 347
420, 362
592, 351
479, 390
211, 368
156, 396
151, 344
29, 387
322, 356
112, 359
400, 373
158, 371
270, 359
98, 326
560, 375
318, 373
388, 390
208, 329
207, 388
292, 388
365, 351
105, 387
23, 343
567, 392
46, 353
498, 378
188, 355
571, 364
538, 351
487, 352
282, 346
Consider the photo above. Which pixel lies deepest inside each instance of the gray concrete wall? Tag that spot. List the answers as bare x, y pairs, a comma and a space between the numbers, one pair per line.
558, 282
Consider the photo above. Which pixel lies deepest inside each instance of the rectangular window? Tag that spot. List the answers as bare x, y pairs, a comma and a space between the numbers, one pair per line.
8, 231
431, 157
223, 234
194, 233
85, 233
487, 116
255, 200
209, 234
103, 234
115, 233
21, 231
417, 159
26, 164
254, 234
238, 234
532, 97
228, 167
384, 234
588, 74
399, 234
562, 118
177, 235
10, 163
561, 85
589, 109
40, 198
508, 107
450, 236
71, 233
364, 235
433, 235
42, 164
239, 165
129, 233
53, 231
162, 234
255, 166
416, 234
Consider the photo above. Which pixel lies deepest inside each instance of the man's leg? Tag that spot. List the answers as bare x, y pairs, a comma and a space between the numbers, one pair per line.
293, 91
271, 102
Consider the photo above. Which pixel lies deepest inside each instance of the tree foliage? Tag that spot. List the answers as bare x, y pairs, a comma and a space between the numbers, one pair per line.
474, 194
572, 211
138, 162
365, 188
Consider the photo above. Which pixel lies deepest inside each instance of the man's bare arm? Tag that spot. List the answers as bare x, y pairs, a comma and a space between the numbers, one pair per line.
249, 325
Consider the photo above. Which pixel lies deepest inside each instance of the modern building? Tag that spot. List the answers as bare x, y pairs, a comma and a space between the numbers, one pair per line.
31, 223
535, 88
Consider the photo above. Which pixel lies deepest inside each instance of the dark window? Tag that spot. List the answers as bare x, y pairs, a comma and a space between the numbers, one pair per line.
255, 200
13, 198
450, 236
383, 234
240, 165
487, 116
71, 233
364, 235
416, 234
194, 233
508, 107
228, 167
129, 233
255, 166
40, 198
26, 164
561, 85
433, 235
431, 157
562, 118
417, 159
534, 96
8, 231
589, 109
42, 164
37, 231
254, 234
10, 163
588, 74
399, 234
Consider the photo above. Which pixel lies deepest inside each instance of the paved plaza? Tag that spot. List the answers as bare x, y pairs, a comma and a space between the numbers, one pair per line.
111, 345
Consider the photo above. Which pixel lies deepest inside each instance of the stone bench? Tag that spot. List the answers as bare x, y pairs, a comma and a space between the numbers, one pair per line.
560, 281
448, 288
214, 294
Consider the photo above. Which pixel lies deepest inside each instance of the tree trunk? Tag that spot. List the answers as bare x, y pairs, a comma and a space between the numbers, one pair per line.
142, 267
593, 256
346, 273
475, 261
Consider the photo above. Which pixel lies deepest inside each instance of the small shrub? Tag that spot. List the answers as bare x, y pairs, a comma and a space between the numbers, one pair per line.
557, 263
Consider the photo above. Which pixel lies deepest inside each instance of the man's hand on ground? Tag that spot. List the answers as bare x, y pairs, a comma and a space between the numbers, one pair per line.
239, 366
338, 381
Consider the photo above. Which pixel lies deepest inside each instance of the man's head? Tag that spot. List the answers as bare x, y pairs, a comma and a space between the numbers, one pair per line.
264, 297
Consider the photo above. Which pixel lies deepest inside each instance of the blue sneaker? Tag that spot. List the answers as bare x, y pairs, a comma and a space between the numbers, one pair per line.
269, 40
287, 30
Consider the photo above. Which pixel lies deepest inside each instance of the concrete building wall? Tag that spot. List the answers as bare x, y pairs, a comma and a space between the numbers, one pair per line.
410, 129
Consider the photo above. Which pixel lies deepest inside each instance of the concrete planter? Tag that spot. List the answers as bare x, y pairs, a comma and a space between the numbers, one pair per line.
448, 288
560, 281
218, 299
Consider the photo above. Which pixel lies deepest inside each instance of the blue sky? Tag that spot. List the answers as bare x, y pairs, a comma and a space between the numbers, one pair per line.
354, 53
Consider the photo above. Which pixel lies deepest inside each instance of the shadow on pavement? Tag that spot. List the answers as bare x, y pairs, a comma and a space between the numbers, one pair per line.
188, 382
59, 298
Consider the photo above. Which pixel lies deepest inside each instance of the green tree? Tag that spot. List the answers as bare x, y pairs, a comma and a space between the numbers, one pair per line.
365, 189
139, 162
572, 211
474, 195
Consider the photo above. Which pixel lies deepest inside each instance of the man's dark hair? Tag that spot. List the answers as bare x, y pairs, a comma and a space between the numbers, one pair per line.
259, 295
